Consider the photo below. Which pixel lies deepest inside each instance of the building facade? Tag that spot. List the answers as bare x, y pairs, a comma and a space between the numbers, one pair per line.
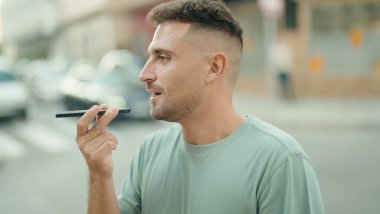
335, 44
28, 27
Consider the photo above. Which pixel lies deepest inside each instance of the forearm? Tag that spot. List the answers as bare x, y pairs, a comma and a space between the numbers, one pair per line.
102, 196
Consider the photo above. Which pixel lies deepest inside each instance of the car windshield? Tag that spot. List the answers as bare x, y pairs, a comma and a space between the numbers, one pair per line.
6, 76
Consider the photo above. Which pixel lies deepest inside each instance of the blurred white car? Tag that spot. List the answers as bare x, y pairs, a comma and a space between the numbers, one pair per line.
13, 96
43, 79
74, 83
117, 84
114, 83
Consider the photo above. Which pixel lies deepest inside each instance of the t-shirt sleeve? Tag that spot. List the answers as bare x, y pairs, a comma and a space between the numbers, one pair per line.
130, 197
293, 188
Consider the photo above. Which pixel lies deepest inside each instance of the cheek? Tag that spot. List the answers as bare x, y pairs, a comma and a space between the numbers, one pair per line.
182, 75
204, 71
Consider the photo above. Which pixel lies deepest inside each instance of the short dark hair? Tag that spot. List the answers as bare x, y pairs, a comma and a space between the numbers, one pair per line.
206, 14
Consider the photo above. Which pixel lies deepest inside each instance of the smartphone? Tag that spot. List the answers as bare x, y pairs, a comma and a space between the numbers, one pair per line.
79, 113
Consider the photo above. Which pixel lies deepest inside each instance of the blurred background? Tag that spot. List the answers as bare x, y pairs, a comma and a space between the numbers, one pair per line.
310, 67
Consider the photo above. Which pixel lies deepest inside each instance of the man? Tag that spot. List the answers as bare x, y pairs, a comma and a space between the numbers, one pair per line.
214, 160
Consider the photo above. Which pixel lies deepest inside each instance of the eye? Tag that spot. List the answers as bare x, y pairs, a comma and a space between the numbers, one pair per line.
163, 58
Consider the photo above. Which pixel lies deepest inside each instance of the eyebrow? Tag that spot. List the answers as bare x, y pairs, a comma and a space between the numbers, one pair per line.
160, 50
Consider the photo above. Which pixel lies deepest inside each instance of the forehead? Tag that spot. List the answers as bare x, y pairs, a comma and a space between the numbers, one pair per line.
170, 34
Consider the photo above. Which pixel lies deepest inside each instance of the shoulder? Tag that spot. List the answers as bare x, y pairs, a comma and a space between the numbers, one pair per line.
273, 138
277, 150
275, 146
270, 144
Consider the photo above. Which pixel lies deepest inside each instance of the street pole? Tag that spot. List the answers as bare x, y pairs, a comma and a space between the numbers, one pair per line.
270, 36
271, 10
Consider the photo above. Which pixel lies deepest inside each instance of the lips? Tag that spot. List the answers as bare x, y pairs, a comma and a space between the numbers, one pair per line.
156, 94
154, 89
155, 97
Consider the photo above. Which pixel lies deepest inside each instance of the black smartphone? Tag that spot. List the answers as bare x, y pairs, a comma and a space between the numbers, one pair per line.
79, 113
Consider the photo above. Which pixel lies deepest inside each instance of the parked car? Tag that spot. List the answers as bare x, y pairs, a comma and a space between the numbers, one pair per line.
13, 96
43, 78
114, 83
74, 83
118, 85
19, 68
114, 90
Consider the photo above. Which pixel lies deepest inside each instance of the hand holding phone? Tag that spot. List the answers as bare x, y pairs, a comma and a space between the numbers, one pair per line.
79, 113
95, 141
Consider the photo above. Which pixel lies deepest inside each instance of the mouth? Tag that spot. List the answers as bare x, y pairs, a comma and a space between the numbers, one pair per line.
154, 90
156, 94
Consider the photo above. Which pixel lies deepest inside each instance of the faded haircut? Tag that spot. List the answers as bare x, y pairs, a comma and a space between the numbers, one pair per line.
204, 14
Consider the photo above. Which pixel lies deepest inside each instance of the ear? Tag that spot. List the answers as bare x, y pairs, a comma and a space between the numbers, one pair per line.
218, 66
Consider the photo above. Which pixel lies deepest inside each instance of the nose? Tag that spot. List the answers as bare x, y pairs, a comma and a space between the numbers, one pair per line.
148, 73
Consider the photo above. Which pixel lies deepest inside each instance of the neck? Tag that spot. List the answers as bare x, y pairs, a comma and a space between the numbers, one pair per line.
211, 123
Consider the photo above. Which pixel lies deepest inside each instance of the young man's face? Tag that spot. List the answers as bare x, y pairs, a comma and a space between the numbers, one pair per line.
174, 73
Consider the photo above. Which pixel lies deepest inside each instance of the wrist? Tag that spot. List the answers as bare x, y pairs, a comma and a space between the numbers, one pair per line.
94, 176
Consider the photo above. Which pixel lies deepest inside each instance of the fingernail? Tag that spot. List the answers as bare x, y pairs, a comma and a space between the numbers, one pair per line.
95, 107
114, 110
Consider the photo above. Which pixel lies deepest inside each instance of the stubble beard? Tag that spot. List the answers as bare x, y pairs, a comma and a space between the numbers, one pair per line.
178, 106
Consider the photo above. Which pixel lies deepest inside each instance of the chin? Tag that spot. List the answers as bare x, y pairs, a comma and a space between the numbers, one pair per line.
157, 114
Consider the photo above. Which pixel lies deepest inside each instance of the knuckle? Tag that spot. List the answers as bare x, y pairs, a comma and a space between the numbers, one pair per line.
92, 158
99, 128
80, 124
111, 136
83, 148
112, 144
78, 139
107, 143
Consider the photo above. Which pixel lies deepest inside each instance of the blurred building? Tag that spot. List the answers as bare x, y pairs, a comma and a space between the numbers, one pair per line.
74, 28
335, 46
86, 30
338, 47
335, 43
89, 29
28, 27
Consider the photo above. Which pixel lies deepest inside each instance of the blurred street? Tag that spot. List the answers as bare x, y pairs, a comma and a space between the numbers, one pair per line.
309, 67
42, 170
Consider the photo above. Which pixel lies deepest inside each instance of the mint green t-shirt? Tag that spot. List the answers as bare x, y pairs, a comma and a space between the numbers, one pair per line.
257, 169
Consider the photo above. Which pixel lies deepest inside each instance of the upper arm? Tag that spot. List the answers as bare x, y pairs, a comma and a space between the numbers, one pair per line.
293, 188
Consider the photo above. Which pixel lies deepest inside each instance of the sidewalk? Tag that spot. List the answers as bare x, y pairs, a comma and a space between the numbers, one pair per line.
312, 112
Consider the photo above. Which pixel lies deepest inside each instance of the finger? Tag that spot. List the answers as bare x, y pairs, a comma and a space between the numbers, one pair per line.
86, 141
96, 129
91, 134
102, 107
107, 138
107, 117
98, 141
85, 120
99, 154
106, 148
